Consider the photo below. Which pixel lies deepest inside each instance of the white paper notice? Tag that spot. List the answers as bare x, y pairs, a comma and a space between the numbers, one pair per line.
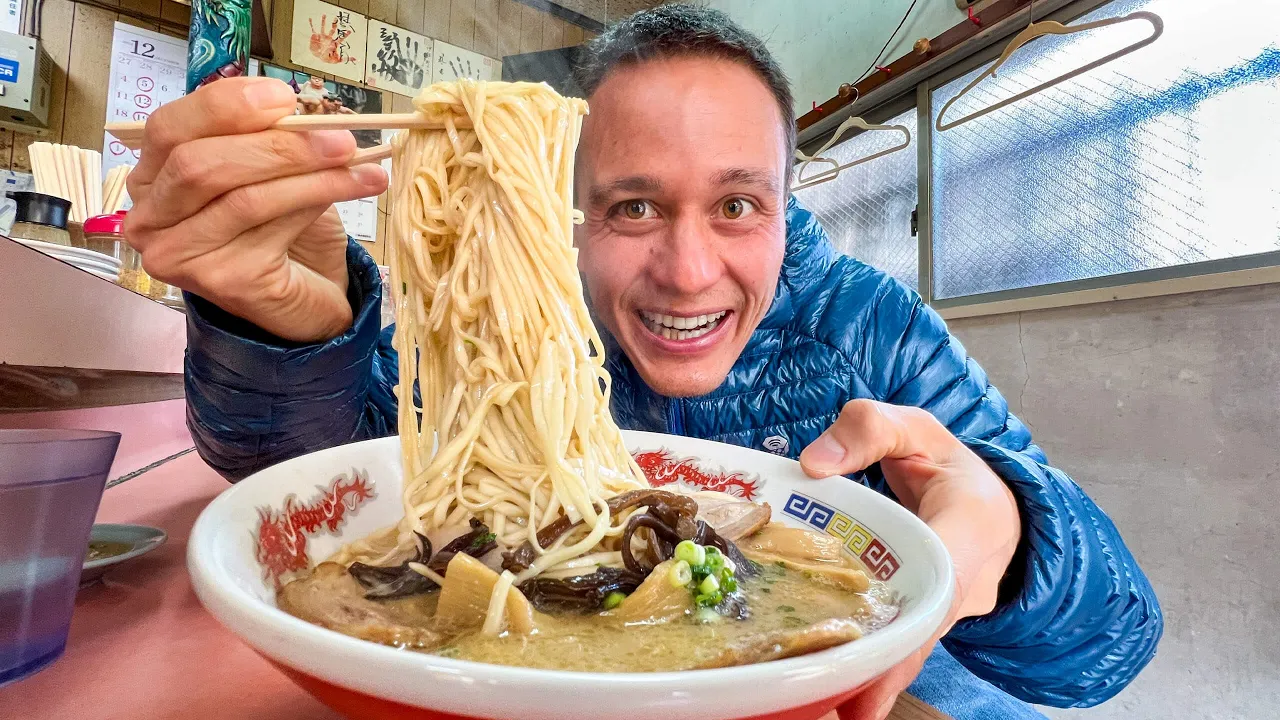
11, 16
147, 70
452, 62
360, 218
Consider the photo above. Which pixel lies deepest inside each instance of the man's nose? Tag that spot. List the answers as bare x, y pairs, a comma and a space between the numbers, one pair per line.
692, 262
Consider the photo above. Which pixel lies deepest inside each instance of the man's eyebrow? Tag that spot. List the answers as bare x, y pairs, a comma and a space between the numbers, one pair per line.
747, 176
601, 194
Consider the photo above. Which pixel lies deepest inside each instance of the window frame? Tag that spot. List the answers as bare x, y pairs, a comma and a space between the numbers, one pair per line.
1243, 271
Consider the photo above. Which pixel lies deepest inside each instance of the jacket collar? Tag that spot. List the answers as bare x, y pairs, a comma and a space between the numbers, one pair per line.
807, 260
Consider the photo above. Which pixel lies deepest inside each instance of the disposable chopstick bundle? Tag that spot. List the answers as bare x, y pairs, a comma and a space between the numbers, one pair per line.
114, 192
72, 173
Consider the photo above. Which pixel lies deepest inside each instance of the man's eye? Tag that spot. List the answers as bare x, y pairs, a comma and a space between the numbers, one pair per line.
735, 208
636, 209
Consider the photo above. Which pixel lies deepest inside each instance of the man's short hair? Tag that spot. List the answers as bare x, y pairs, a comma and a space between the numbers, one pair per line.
670, 31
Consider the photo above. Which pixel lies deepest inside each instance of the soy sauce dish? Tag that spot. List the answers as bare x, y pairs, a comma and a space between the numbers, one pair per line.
111, 545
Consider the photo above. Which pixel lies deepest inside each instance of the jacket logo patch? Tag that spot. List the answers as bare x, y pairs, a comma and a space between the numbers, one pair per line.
776, 444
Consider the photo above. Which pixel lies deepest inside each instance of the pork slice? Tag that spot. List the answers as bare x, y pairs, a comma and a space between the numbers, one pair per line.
786, 643
331, 598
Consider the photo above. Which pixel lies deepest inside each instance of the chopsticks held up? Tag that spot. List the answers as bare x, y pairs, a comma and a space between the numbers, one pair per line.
130, 133
71, 173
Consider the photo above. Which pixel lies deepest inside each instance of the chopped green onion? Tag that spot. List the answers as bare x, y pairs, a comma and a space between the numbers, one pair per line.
691, 552
730, 566
680, 574
730, 585
614, 599
706, 615
715, 560
709, 585
709, 599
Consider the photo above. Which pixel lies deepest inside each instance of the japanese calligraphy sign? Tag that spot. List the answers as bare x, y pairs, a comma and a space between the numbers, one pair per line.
398, 60
329, 39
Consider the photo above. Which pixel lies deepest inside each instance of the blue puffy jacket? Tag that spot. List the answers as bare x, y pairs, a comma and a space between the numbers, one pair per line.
1078, 620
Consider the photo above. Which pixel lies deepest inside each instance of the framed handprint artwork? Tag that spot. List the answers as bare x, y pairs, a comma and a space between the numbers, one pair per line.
329, 39
398, 60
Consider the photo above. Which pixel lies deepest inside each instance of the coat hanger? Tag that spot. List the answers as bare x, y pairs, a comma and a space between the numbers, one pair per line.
831, 173
1051, 27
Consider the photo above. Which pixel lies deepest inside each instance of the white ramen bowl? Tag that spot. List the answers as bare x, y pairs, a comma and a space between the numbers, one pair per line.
287, 518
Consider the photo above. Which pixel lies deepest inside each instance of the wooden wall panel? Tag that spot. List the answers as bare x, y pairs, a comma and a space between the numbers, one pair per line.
530, 29
384, 10
486, 27
409, 15
437, 19
88, 70
509, 15
573, 34
360, 6
462, 24
552, 32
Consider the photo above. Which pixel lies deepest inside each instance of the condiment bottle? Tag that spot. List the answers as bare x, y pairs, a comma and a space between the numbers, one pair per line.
132, 276
104, 234
40, 217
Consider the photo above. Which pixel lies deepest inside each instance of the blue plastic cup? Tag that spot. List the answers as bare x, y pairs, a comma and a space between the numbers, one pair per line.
51, 482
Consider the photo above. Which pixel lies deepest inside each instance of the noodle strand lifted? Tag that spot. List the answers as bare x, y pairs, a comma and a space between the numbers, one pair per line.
513, 427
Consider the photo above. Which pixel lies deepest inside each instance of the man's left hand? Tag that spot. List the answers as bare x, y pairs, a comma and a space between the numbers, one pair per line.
950, 488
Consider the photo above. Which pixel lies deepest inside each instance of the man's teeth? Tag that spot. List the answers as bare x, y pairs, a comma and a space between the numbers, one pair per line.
681, 328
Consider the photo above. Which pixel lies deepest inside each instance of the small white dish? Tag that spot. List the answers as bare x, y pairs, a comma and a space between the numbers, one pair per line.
72, 255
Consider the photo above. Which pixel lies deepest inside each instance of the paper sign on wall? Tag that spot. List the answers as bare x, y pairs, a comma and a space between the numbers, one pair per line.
329, 39
398, 60
147, 70
11, 16
360, 218
452, 62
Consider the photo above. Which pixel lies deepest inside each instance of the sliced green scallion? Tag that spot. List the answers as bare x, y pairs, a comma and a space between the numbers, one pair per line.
709, 585
614, 599
680, 574
691, 552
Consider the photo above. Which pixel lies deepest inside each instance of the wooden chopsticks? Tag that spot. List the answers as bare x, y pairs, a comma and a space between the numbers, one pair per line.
71, 173
130, 133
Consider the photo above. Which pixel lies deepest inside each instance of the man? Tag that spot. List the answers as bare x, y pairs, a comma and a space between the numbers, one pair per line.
727, 314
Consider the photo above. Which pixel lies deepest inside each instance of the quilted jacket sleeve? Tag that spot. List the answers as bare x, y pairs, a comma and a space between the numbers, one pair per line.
254, 400
1077, 619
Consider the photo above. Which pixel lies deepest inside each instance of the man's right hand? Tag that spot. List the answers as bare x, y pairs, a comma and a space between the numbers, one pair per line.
243, 215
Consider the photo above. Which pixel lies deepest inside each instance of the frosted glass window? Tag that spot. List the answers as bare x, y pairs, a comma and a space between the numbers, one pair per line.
867, 209
1164, 157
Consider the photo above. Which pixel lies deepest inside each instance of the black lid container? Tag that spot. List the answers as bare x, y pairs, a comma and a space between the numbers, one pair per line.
41, 209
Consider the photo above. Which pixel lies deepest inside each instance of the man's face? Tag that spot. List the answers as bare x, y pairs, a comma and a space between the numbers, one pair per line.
681, 172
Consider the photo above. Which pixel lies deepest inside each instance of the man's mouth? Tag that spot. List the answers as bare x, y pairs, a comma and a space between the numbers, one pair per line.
677, 327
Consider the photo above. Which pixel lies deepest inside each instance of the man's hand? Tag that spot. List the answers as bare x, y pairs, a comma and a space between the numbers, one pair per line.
243, 215
949, 487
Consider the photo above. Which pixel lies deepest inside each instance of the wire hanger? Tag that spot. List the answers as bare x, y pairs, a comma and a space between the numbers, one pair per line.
830, 174
1051, 27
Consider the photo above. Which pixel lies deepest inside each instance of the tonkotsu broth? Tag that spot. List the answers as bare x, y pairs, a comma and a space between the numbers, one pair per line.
779, 600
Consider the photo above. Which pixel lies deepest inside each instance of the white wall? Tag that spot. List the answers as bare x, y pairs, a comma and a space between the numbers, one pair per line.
823, 43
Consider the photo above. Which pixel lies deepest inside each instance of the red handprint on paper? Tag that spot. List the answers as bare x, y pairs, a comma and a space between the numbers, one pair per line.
328, 46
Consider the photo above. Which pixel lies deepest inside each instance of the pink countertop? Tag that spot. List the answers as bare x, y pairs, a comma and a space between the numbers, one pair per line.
141, 645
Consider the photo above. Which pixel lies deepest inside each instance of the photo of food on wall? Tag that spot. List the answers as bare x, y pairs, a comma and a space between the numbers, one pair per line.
317, 96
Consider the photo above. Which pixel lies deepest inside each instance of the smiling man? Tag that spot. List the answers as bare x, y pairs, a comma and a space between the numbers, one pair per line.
727, 316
